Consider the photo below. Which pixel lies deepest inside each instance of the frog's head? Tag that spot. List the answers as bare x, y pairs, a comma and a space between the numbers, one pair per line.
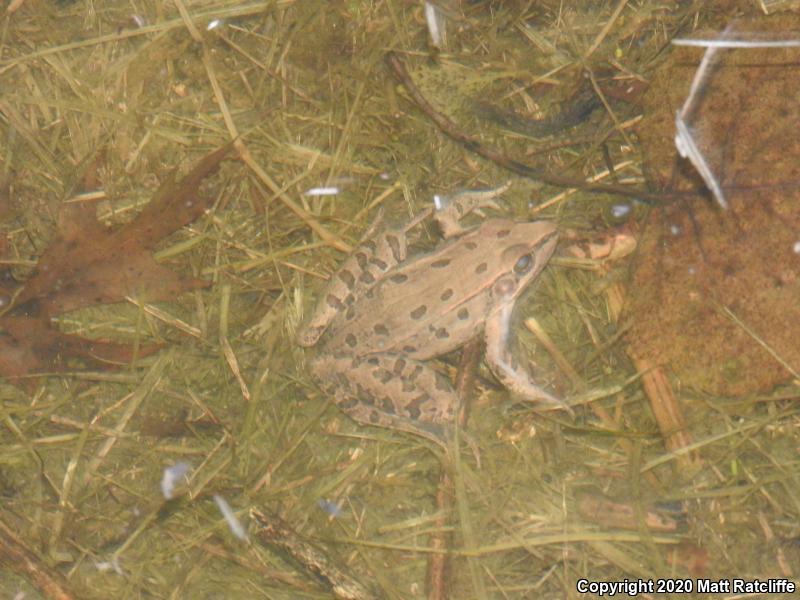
526, 249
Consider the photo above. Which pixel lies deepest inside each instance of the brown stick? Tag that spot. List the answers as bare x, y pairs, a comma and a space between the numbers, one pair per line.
438, 560
273, 531
436, 578
16, 555
667, 411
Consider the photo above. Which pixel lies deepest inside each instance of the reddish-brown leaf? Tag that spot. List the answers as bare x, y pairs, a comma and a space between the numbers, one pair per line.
31, 345
87, 264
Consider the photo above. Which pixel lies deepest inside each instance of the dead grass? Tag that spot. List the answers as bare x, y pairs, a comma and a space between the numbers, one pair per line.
305, 87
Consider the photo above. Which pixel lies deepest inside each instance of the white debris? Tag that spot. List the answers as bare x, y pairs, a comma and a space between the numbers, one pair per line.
172, 475
620, 210
109, 565
436, 24
322, 191
736, 43
332, 508
685, 140
233, 521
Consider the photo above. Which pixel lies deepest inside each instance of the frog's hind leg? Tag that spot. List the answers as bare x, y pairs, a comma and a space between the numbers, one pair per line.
452, 208
391, 391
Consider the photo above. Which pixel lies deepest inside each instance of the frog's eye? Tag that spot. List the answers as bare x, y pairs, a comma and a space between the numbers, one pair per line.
523, 265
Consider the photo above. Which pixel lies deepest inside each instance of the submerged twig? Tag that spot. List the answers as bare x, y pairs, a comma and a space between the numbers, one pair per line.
16, 555
438, 559
450, 129
274, 532
667, 412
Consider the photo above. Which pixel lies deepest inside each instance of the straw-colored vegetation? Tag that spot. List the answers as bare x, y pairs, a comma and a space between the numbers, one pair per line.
130, 92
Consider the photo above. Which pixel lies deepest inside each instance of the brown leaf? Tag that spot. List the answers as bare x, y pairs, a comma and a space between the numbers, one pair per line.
87, 264
598, 509
695, 559
31, 345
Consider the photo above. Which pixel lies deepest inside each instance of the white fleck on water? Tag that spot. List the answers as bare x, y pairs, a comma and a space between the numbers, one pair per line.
620, 210
172, 475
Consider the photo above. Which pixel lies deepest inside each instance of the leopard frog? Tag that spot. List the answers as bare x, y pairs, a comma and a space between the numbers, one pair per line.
384, 314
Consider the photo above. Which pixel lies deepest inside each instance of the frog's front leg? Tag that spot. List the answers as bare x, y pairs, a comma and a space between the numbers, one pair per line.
391, 391
502, 362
